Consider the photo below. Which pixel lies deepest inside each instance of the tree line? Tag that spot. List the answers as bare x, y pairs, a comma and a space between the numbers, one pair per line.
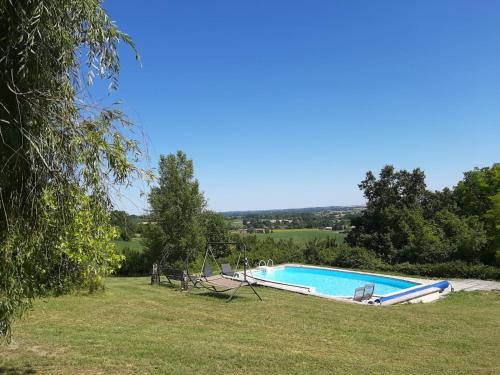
310, 220
405, 227
405, 222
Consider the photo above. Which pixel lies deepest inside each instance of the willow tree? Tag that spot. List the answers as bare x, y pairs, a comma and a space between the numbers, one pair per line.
59, 151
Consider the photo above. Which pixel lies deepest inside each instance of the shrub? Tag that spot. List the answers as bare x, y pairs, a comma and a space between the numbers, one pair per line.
135, 263
124, 236
356, 257
456, 269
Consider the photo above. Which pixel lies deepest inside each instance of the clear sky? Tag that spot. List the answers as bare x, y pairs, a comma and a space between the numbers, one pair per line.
287, 104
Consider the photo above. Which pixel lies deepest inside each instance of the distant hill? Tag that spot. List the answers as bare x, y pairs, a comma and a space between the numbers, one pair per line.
291, 211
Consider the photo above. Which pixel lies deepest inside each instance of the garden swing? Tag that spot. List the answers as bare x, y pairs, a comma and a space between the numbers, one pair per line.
227, 280
170, 272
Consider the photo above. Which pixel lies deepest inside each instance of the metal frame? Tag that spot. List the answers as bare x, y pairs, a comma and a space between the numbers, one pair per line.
212, 286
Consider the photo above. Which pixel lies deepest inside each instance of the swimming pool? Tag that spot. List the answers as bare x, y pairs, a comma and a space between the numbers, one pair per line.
329, 282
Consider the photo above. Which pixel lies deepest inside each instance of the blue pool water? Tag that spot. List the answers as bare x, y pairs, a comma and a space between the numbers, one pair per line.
331, 282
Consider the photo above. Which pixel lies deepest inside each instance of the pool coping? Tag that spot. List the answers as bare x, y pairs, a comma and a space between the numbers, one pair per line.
307, 290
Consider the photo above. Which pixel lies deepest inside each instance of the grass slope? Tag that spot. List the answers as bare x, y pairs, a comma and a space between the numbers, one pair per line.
134, 244
135, 328
302, 235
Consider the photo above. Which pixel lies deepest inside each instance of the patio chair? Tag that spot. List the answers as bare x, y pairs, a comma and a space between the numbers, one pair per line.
207, 271
369, 289
364, 292
227, 270
358, 294
205, 274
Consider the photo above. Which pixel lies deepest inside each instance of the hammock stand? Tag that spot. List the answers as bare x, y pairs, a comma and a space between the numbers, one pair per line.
220, 283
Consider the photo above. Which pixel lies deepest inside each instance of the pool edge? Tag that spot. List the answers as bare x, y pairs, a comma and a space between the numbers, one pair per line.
307, 290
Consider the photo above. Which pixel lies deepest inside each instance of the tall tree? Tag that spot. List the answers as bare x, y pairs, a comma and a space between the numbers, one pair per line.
478, 194
59, 151
389, 199
176, 207
124, 223
215, 230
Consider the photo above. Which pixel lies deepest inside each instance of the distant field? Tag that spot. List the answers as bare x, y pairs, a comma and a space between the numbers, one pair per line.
303, 235
133, 244
298, 235
235, 223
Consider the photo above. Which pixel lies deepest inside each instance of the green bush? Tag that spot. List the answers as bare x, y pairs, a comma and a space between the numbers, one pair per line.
134, 264
455, 269
356, 257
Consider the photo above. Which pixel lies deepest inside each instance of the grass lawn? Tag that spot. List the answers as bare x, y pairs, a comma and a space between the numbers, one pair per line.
134, 244
135, 328
302, 235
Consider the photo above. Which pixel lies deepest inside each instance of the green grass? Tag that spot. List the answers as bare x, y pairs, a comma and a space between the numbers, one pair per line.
134, 244
135, 328
302, 235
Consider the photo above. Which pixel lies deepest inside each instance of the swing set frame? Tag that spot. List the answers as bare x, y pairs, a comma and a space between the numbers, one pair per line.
221, 283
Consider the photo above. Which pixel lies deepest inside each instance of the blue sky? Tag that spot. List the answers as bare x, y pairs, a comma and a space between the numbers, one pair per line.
288, 103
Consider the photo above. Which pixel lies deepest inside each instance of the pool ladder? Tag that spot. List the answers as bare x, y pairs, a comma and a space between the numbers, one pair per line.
269, 263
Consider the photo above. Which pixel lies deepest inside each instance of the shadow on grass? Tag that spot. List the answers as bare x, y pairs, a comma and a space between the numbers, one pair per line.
176, 286
219, 296
16, 371
173, 286
165, 284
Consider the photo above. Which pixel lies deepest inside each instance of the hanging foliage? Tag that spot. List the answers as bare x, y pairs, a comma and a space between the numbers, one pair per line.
59, 151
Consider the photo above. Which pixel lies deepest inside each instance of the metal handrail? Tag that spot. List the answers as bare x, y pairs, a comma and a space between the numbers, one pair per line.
262, 263
272, 263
